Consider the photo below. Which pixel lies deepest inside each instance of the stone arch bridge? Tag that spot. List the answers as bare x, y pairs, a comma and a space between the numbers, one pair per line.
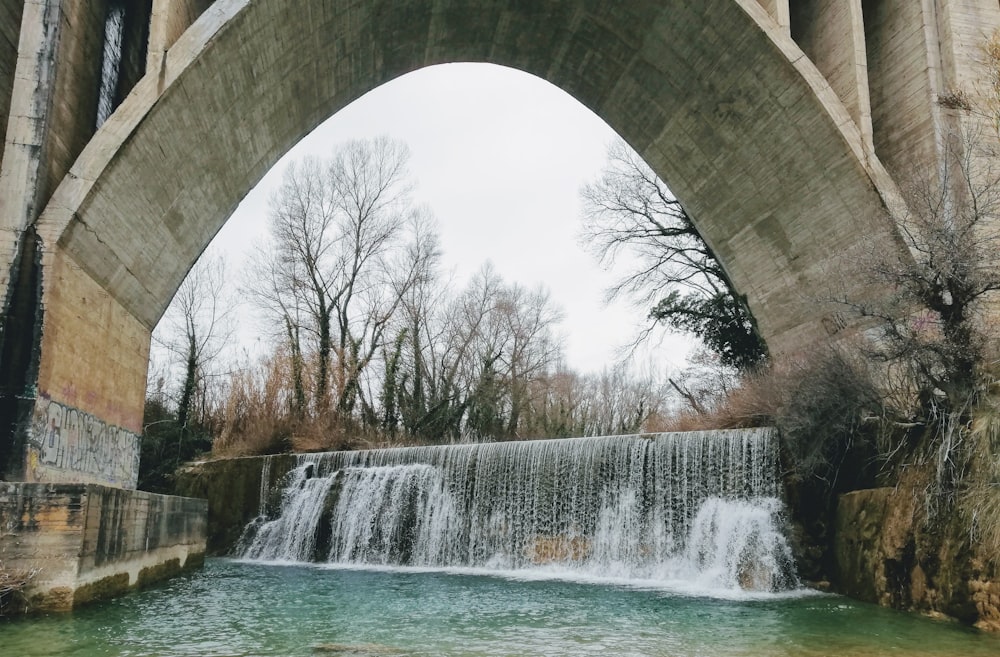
132, 128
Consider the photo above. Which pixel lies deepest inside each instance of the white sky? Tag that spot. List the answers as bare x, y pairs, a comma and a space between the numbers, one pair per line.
499, 156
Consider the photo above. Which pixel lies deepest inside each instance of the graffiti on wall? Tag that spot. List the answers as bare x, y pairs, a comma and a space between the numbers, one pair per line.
69, 445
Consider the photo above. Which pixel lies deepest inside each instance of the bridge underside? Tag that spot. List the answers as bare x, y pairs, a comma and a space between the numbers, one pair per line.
759, 118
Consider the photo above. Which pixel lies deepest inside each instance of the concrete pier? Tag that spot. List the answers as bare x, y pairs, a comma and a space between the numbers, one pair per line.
88, 542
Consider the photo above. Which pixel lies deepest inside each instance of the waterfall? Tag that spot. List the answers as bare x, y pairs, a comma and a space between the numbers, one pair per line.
701, 506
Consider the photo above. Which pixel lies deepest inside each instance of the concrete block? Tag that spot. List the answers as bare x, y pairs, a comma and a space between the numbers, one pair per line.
87, 542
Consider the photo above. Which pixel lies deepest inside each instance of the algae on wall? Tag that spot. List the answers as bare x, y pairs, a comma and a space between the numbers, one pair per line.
887, 553
233, 490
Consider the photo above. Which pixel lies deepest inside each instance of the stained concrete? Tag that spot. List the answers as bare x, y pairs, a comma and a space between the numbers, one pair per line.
90, 542
700, 113
232, 488
10, 29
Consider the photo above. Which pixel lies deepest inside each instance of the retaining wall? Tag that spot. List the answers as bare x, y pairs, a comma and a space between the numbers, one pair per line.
88, 542
232, 488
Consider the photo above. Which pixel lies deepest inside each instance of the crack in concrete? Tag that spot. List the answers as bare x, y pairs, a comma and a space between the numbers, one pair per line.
79, 220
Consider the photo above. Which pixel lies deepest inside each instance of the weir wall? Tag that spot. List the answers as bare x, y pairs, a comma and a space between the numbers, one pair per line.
232, 489
87, 542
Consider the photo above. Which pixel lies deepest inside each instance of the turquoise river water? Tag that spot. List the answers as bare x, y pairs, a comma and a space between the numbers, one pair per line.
236, 608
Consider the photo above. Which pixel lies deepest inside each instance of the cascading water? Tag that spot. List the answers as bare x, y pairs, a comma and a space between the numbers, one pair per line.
701, 507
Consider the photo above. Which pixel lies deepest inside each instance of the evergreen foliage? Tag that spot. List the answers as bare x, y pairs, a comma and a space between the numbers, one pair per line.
676, 273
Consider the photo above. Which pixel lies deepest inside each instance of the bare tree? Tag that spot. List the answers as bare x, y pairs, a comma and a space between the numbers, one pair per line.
304, 260
373, 197
270, 283
338, 266
194, 331
466, 363
933, 322
410, 272
429, 400
503, 337
614, 401
196, 328
676, 275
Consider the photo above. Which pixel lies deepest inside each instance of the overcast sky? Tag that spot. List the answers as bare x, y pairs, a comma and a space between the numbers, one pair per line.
499, 156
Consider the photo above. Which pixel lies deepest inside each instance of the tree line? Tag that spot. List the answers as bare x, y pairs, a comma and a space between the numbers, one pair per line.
367, 341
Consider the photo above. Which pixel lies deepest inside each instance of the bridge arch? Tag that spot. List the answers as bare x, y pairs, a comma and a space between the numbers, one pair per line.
715, 96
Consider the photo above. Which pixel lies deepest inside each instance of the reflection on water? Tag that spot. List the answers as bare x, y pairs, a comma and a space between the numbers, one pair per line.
242, 609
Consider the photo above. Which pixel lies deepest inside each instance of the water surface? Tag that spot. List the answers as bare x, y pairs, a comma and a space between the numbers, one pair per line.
234, 608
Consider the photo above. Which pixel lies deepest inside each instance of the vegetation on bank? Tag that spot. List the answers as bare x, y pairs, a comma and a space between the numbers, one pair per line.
366, 341
369, 344
907, 395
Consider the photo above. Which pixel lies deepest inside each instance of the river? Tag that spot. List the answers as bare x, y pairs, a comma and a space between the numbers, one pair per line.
236, 608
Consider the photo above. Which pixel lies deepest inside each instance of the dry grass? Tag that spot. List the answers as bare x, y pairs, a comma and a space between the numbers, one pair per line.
822, 405
755, 403
980, 501
12, 584
255, 416
258, 418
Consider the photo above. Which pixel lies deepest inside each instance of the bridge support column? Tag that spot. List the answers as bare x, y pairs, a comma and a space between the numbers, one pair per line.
23, 189
917, 52
819, 27
87, 414
779, 12
10, 30
57, 325
79, 417
168, 21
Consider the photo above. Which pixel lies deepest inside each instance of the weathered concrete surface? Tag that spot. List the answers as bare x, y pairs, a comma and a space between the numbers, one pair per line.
883, 555
233, 490
169, 20
72, 115
10, 29
918, 51
87, 429
90, 542
904, 71
24, 189
745, 130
